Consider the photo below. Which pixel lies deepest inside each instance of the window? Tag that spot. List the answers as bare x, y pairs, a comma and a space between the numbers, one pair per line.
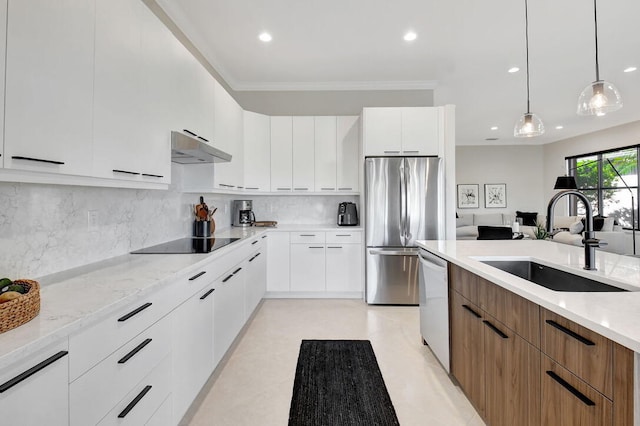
603, 187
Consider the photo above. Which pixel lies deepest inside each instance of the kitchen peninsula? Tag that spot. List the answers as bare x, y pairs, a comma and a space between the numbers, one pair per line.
547, 354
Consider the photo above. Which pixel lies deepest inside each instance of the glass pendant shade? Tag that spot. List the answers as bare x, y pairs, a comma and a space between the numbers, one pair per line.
528, 126
599, 98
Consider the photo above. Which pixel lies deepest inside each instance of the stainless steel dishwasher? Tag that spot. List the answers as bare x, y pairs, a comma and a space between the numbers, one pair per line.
434, 305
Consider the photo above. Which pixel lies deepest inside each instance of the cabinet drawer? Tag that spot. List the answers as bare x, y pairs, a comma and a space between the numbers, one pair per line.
147, 396
95, 343
307, 237
96, 393
344, 237
585, 353
566, 397
464, 282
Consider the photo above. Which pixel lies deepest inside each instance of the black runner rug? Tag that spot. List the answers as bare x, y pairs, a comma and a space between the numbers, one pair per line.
338, 383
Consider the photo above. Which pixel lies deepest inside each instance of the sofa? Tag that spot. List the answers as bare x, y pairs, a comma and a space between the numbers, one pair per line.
467, 224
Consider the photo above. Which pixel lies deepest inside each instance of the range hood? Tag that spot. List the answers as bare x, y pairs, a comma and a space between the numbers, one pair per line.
189, 148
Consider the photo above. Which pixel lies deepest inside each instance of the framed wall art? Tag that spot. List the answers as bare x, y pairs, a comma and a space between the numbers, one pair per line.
495, 195
468, 195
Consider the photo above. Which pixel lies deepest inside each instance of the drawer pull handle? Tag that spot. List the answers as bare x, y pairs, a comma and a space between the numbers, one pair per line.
39, 160
252, 188
495, 329
477, 315
283, 189
307, 235
570, 333
571, 389
343, 235
152, 175
334, 247
264, 236
203, 139
237, 270
227, 186
327, 189
300, 189
134, 312
30, 372
411, 152
314, 247
254, 242
126, 172
251, 260
204, 296
345, 189
189, 132
392, 152
198, 275
135, 350
228, 278
135, 401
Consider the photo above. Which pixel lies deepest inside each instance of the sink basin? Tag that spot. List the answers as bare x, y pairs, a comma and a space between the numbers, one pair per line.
550, 278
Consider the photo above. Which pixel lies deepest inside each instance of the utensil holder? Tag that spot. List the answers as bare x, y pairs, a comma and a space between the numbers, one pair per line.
202, 228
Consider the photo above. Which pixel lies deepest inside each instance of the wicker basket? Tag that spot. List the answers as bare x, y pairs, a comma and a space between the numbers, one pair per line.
20, 310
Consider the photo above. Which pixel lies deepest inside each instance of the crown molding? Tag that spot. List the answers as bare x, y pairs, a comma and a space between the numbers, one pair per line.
335, 85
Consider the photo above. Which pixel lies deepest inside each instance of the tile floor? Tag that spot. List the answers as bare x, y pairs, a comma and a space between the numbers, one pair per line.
254, 387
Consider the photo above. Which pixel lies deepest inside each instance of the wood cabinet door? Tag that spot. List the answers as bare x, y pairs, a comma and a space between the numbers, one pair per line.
569, 401
512, 377
467, 349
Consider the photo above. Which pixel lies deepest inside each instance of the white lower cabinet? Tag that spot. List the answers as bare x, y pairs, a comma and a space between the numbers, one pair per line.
34, 390
278, 247
163, 415
256, 283
192, 330
229, 310
307, 267
344, 267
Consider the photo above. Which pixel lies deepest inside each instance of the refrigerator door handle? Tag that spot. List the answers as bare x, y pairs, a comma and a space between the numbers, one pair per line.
403, 204
407, 219
394, 252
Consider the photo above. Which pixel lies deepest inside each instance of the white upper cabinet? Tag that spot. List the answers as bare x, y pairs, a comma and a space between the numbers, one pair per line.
348, 153
281, 153
3, 45
228, 136
257, 152
303, 151
382, 131
131, 93
325, 153
403, 131
49, 86
420, 131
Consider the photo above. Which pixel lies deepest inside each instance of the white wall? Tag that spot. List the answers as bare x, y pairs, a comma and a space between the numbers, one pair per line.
519, 167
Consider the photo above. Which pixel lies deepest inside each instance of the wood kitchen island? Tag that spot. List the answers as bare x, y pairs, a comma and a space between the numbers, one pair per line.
527, 355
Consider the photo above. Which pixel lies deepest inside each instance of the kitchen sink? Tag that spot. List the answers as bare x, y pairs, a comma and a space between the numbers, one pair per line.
550, 278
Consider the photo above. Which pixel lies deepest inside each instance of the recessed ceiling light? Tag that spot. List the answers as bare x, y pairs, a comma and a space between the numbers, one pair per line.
494, 128
266, 37
513, 69
559, 127
630, 69
410, 36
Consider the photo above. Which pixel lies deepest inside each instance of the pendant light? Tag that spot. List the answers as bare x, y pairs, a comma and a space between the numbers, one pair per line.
599, 97
529, 125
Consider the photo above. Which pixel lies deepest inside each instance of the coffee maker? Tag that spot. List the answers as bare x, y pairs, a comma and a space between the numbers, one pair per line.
242, 213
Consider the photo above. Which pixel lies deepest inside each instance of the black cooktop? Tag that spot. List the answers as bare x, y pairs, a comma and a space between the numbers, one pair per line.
187, 245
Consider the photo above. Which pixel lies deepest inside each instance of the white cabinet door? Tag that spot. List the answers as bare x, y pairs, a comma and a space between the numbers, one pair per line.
3, 46
344, 267
325, 154
228, 136
382, 129
118, 105
307, 267
257, 152
281, 154
192, 335
420, 131
278, 247
256, 283
228, 311
302, 157
348, 153
42, 397
49, 86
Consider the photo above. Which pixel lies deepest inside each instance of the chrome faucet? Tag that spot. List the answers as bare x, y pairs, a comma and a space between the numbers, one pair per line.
590, 241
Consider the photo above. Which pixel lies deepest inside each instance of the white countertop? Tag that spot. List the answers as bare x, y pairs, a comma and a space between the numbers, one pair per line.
614, 315
73, 299
318, 228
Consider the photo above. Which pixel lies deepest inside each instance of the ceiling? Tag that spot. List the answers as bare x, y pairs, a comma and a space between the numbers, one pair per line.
463, 51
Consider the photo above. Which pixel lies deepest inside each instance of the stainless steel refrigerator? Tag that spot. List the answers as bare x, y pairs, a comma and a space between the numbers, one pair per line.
403, 204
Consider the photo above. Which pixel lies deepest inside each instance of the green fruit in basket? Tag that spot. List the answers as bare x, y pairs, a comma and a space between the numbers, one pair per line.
5, 282
20, 288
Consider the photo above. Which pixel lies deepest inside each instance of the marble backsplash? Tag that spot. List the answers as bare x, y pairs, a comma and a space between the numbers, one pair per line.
45, 228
